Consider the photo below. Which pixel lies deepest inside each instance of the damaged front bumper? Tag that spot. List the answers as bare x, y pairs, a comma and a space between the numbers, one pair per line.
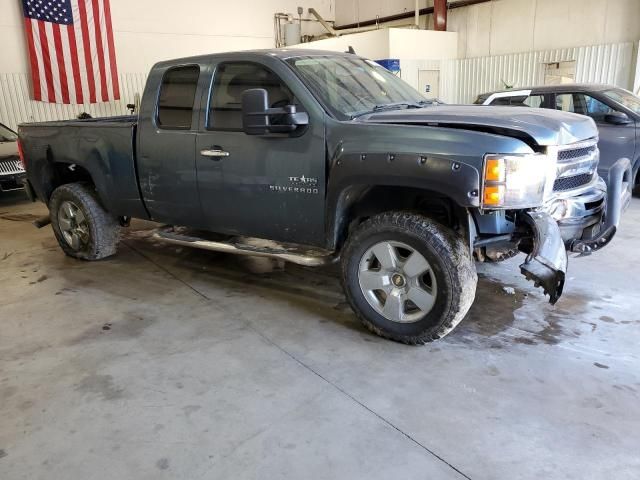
585, 223
546, 263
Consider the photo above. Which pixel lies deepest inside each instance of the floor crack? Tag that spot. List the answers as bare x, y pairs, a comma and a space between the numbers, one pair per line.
305, 366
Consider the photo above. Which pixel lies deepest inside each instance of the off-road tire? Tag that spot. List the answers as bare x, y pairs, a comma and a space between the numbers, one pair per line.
448, 256
104, 230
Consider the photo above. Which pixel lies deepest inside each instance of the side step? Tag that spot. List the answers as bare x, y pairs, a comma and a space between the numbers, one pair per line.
250, 246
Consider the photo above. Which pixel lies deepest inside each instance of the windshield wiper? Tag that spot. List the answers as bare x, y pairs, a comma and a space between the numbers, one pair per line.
388, 106
393, 106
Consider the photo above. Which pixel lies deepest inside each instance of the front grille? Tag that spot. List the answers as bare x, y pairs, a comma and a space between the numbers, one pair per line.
10, 166
576, 165
564, 155
569, 183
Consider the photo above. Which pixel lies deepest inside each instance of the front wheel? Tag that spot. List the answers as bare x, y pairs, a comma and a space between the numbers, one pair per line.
407, 277
82, 226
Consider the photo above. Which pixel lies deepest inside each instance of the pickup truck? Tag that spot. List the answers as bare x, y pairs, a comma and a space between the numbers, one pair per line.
327, 157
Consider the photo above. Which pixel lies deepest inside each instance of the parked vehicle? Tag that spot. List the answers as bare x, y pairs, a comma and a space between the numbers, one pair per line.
334, 158
616, 112
11, 171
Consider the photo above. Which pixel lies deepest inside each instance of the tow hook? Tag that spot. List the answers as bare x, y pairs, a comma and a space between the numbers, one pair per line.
546, 264
587, 247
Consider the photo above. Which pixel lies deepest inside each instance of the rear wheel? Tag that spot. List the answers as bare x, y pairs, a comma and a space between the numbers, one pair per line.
83, 228
408, 278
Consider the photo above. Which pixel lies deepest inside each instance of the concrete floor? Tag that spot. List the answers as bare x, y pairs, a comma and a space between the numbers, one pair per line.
174, 363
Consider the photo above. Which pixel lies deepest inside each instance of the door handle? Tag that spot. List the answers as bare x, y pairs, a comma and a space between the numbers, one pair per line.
214, 152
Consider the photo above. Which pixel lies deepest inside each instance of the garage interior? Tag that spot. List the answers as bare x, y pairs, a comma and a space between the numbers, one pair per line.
171, 362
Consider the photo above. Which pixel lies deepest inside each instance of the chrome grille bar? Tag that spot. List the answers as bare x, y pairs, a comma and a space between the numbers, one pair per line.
8, 167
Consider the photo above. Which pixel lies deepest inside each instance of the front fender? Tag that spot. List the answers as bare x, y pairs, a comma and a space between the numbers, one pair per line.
352, 174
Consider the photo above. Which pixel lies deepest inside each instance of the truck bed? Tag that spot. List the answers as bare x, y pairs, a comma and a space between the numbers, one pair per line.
104, 147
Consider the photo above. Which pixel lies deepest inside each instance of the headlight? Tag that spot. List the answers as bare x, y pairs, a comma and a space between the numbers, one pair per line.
515, 180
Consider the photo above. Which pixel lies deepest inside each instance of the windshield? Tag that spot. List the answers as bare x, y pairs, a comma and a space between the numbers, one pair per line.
624, 98
7, 135
352, 86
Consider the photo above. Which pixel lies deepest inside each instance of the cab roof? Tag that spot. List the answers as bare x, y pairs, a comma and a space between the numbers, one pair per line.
281, 53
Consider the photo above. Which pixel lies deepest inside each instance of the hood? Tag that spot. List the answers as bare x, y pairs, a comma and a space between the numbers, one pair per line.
545, 127
8, 150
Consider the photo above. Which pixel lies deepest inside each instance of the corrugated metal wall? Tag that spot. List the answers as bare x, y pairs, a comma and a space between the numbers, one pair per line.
16, 105
462, 80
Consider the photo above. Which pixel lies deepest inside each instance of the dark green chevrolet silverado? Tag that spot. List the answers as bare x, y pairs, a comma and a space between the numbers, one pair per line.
330, 157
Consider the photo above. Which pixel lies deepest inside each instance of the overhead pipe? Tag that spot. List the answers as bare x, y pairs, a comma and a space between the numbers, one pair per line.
440, 15
405, 15
324, 23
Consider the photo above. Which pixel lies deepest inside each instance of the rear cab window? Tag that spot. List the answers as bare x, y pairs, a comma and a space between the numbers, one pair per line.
177, 96
533, 101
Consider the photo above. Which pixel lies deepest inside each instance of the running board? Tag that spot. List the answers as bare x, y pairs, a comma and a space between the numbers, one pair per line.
241, 246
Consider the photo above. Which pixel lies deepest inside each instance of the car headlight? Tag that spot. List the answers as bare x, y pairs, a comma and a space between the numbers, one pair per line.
515, 180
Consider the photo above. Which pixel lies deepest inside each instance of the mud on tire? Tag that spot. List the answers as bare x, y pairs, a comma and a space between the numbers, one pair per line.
101, 230
449, 260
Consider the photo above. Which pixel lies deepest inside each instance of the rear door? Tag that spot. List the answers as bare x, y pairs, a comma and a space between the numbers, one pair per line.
166, 150
261, 186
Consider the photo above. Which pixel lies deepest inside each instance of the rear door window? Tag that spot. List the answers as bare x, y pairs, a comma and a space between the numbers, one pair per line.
177, 95
534, 101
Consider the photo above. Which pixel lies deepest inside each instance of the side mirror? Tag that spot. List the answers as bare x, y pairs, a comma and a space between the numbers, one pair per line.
259, 119
617, 118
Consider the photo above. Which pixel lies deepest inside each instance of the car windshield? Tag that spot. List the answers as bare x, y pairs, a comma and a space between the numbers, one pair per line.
352, 86
625, 98
7, 135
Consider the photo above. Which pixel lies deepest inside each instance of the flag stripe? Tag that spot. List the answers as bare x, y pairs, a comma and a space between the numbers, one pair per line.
100, 49
77, 31
66, 55
103, 35
53, 58
39, 61
75, 67
87, 51
64, 83
33, 60
46, 60
112, 51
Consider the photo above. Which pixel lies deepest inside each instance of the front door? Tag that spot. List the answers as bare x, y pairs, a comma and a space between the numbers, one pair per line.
261, 186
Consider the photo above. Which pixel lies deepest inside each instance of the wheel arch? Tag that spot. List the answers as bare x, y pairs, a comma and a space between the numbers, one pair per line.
356, 203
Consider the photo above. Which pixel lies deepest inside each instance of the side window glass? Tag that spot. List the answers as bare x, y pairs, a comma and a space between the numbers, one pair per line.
177, 94
596, 109
534, 101
501, 102
230, 80
564, 102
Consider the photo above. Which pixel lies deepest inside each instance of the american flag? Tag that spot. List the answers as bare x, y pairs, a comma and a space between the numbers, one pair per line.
71, 50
